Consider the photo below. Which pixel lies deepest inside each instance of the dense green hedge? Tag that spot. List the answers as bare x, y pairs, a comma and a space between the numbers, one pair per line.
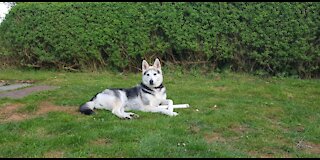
273, 38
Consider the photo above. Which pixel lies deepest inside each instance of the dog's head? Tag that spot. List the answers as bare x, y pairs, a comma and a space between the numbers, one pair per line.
152, 75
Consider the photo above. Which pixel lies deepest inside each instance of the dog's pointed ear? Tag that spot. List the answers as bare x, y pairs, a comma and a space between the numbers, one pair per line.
157, 64
145, 65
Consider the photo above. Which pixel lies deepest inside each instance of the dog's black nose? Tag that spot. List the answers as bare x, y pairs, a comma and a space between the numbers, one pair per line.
151, 82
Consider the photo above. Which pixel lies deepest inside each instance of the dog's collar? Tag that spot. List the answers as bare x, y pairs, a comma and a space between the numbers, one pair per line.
146, 87
159, 87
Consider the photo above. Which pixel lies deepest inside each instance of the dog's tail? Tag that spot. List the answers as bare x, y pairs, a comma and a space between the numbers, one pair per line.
87, 108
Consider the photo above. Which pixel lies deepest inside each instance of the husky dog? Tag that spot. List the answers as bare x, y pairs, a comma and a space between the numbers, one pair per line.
148, 96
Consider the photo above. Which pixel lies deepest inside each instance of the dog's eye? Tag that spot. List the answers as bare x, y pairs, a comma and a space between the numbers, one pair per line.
155, 74
158, 71
148, 74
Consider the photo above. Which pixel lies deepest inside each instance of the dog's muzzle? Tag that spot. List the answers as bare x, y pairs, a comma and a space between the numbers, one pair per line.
151, 82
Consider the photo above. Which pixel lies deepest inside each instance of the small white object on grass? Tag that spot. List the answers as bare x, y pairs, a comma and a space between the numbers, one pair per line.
171, 107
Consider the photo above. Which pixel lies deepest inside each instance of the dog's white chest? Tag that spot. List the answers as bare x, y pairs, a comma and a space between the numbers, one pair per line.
157, 97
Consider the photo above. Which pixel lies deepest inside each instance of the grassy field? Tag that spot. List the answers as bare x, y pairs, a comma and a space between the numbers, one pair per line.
231, 115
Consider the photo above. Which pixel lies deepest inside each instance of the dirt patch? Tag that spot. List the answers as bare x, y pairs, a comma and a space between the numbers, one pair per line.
17, 117
219, 88
46, 107
25, 92
256, 154
315, 148
309, 147
9, 113
12, 82
101, 141
17, 81
54, 154
213, 137
194, 129
239, 129
10, 108
268, 152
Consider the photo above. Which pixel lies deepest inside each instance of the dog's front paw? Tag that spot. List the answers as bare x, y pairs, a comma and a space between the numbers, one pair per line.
126, 117
133, 115
129, 116
173, 114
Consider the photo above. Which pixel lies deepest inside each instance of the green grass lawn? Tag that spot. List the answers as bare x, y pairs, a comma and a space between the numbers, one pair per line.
231, 115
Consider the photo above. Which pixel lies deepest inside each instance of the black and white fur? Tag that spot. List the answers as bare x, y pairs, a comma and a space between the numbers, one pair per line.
149, 96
